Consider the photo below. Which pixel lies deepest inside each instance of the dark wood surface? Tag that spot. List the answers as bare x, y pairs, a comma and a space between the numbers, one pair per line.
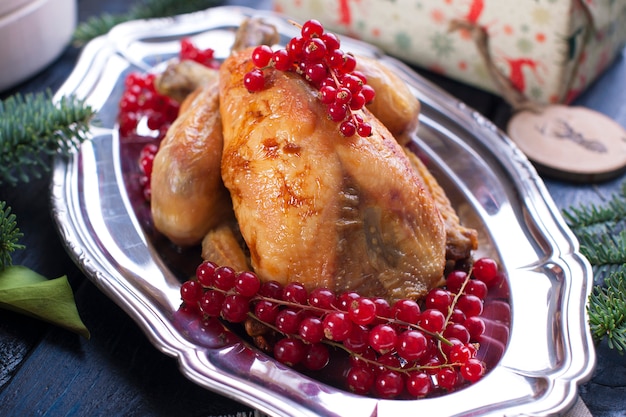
47, 371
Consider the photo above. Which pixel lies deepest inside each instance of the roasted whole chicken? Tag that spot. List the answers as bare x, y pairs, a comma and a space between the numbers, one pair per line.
309, 205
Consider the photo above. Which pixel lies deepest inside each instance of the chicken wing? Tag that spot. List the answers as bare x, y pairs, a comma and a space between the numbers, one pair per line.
316, 207
395, 105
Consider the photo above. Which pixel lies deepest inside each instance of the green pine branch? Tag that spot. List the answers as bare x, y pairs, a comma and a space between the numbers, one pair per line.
33, 128
601, 231
145, 9
9, 236
607, 312
592, 215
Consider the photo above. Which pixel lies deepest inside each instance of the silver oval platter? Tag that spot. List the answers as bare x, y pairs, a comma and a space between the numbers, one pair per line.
537, 343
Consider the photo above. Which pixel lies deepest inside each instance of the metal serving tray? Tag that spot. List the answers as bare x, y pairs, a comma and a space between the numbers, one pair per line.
545, 349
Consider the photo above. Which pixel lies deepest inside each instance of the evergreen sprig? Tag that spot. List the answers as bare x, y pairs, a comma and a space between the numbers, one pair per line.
607, 312
611, 212
601, 231
146, 9
33, 128
9, 236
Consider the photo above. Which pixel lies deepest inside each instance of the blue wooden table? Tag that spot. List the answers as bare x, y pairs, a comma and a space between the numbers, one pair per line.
46, 371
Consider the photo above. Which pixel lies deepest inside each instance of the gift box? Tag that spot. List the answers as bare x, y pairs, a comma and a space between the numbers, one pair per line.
550, 50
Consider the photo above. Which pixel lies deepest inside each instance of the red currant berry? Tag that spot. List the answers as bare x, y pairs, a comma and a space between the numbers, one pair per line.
475, 326
235, 308
460, 354
128, 123
362, 311
288, 321
262, 55
412, 345
266, 311
383, 310
254, 80
352, 83
224, 278
360, 379
336, 58
211, 303
156, 119
289, 351
312, 29
446, 348
147, 190
473, 370
294, 48
327, 94
447, 378
349, 63
315, 73
282, 60
407, 311
271, 289
347, 128
364, 358
358, 341
295, 292
337, 326
343, 96
314, 50
247, 283
439, 299
357, 102
383, 338
477, 287
419, 384
149, 149
316, 357
389, 384
190, 292
205, 272
432, 320
345, 300
486, 270
337, 112
470, 305
364, 129
457, 331
455, 281
388, 360
331, 41
311, 330
322, 298
433, 365
368, 93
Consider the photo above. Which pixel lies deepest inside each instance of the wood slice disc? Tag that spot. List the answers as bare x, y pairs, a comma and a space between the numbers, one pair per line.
571, 143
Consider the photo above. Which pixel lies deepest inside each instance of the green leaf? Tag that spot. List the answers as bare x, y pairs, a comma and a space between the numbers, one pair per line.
24, 291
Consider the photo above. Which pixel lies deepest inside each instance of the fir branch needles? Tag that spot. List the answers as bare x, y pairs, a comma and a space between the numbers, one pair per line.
145, 9
601, 231
33, 128
9, 236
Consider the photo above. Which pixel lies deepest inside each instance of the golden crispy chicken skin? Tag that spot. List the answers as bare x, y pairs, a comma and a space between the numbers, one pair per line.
188, 196
460, 240
316, 207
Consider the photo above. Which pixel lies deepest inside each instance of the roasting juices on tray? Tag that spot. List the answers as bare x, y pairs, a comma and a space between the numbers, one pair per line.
321, 232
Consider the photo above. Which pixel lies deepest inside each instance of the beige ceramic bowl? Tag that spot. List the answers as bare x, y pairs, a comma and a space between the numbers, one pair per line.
32, 34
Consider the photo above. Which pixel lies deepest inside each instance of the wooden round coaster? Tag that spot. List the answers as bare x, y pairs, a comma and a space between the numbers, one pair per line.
571, 143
